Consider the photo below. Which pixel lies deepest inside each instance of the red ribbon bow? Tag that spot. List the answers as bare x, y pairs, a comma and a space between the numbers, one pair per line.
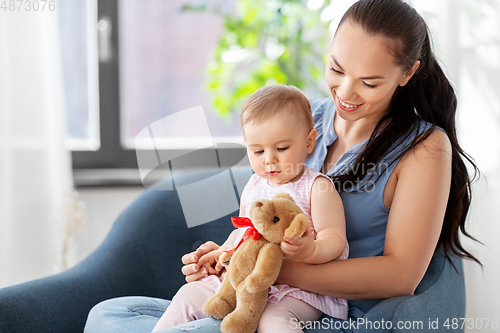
240, 222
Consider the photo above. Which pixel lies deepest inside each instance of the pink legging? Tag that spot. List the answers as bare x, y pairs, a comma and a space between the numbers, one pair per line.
187, 306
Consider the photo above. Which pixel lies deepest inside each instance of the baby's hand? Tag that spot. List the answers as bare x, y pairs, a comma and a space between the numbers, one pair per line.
298, 249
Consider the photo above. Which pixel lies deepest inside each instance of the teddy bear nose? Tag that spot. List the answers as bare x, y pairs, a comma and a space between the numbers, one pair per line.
276, 219
259, 204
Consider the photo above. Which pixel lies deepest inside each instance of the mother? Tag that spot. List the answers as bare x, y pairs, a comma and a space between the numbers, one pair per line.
387, 138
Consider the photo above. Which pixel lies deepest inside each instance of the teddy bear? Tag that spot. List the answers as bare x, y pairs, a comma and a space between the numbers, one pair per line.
255, 264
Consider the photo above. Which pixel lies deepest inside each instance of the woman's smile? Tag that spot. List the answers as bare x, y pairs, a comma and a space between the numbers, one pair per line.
347, 106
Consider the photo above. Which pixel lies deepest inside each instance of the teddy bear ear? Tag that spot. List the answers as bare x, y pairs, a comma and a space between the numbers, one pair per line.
258, 204
284, 196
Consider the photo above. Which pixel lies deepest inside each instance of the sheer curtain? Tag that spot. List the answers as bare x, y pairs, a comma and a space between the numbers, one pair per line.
35, 170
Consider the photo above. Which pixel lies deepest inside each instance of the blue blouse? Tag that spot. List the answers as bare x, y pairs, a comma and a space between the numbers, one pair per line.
365, 213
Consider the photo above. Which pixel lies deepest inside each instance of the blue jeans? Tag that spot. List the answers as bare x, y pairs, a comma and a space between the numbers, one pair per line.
140, 314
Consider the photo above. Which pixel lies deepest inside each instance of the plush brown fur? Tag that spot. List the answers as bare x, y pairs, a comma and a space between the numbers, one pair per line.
255, 265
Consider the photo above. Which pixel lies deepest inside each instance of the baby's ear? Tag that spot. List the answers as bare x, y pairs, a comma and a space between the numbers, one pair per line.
284, 196
311, 140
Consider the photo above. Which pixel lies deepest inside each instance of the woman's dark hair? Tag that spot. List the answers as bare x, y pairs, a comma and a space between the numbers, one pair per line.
428, 96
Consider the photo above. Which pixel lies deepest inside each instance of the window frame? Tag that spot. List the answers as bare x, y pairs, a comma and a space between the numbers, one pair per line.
111, 154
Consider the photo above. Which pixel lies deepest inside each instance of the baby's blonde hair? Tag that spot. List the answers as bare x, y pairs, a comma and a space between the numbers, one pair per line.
271, 100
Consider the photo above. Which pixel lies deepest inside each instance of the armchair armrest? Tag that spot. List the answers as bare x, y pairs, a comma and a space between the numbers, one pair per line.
440, 295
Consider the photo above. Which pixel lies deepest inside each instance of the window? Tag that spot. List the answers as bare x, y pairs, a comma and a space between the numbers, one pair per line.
128, 66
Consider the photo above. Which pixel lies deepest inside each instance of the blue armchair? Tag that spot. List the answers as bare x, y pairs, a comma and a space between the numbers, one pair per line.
141, 257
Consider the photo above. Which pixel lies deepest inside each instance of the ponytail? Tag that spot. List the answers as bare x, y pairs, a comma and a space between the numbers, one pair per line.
435, 101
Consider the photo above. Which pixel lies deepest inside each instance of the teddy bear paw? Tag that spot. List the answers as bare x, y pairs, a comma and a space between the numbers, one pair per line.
239, 323
216, 307
225, 258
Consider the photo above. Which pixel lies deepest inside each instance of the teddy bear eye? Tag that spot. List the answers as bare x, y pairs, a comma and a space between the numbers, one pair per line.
276, 219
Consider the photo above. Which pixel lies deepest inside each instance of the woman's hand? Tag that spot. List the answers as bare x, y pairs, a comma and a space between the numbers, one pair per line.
212, 262
192, 269
299, 249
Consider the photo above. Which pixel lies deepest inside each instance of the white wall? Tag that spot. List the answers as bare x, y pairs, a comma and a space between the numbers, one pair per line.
479, 133
103, 206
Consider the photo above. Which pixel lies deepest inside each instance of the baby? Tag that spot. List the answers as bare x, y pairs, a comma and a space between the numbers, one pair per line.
279, 133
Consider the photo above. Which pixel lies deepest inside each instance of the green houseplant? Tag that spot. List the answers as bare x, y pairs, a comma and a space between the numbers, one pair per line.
265, 42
